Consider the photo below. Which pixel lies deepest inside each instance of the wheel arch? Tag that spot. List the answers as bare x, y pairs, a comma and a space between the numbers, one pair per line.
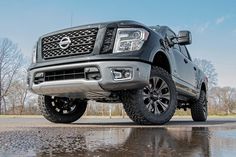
203, 87
162, 60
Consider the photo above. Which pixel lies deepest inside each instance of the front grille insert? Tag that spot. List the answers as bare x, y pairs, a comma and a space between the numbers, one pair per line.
67, 74
88, 73
82, 42
108, 41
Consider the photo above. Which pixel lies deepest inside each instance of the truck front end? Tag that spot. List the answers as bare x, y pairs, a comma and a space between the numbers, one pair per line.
91, 61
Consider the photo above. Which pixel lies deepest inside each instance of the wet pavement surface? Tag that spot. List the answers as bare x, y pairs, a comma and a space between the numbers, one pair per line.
117, 137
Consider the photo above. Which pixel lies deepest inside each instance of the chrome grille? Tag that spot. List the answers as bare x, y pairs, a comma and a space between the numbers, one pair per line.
82, 42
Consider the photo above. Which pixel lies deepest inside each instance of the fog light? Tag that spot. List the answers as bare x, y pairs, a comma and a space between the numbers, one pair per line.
117, 74
127, 74
122, 73
39, 78
39, 75
92, 73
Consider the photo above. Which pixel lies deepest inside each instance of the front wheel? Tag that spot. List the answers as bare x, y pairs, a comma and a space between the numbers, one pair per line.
155, 103
60, 109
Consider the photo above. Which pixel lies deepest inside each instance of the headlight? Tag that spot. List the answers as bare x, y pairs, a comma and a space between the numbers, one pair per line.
34, 54
129, 39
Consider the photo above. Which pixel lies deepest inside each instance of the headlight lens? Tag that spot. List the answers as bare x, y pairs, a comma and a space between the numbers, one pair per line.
129, 39
34, 54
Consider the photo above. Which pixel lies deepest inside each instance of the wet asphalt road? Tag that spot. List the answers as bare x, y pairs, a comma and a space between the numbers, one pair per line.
117, 137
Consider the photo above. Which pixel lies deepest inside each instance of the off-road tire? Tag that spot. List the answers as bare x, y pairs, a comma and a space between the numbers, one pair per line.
199, 108
50, 114
134, 104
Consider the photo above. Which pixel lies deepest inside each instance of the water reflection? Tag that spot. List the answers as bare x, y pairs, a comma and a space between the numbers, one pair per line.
170, 142
196, 141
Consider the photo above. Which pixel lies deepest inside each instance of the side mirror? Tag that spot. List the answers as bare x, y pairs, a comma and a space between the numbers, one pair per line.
184, 38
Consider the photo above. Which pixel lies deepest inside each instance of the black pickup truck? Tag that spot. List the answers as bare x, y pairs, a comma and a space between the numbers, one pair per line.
148, 69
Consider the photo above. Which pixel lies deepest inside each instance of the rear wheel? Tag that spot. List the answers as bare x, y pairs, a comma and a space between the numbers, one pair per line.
155, 103
60, 109
199, 108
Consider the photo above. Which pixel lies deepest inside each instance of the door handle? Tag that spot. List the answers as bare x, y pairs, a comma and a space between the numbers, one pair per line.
185, 60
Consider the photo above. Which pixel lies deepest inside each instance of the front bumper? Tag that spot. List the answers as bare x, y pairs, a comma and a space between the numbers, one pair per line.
89, 88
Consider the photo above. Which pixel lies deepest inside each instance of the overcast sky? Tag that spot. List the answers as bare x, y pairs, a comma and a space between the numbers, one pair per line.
213, 23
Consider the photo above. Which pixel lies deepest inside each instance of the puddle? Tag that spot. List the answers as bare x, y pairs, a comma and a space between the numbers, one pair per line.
116, 142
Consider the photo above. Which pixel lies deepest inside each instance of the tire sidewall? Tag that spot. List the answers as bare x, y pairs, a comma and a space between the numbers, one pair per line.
205, 101
167, 115
197, 109
52, 115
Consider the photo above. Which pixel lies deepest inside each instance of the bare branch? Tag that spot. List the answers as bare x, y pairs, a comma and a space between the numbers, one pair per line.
10, 63
208, 68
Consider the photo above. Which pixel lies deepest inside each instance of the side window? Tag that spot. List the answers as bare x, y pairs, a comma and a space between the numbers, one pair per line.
184, 51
